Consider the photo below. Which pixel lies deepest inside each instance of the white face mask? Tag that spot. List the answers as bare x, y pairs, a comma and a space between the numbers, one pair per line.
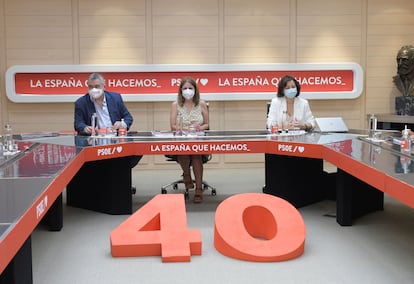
95, 93
188, 93
291, 93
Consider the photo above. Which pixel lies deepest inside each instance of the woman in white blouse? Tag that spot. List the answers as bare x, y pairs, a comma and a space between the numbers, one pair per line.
288, 107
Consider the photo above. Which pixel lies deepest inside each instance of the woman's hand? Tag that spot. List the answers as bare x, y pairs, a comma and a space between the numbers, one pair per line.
295, 124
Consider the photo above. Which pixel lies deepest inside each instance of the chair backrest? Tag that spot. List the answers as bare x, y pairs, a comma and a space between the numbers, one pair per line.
267, 112
206, 158
208, 109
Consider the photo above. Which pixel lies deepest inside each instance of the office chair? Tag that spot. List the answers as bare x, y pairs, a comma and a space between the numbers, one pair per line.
174, 184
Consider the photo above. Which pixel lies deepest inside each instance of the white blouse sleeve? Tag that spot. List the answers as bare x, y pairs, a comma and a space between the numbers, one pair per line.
273, 113
308, 116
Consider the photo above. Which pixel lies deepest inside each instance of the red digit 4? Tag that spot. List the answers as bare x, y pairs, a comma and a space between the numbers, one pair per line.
157, 228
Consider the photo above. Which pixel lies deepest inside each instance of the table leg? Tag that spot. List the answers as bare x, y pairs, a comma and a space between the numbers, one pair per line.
19, 270
355, 198
300, 181
103, 186
54, 216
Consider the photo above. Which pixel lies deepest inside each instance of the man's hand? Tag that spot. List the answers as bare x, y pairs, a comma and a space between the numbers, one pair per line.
117, 124
88, 129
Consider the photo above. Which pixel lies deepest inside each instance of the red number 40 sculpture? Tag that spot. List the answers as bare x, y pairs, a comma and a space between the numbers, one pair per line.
250, 226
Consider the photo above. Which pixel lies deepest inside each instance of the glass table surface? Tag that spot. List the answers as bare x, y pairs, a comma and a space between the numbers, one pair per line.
25, 175
211, 135
382, 154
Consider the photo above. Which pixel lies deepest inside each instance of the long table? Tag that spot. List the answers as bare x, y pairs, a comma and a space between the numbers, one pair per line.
32, 182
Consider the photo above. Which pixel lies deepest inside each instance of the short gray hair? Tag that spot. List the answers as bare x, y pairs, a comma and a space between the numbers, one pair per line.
96, 76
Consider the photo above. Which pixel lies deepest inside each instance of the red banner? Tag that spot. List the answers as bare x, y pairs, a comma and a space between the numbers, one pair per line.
216, 82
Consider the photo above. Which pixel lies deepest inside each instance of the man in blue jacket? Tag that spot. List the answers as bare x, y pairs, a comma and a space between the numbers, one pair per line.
108, 106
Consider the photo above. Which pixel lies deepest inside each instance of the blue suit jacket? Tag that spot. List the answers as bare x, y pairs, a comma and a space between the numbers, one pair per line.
84, 108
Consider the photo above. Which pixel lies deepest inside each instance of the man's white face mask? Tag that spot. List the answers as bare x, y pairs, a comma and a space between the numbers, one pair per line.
95, 93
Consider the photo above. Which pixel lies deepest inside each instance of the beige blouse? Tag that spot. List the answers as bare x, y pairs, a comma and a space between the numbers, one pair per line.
194, 114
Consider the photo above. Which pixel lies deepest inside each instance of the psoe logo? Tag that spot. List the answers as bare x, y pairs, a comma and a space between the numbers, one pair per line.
41, 207
109, 151
290, 148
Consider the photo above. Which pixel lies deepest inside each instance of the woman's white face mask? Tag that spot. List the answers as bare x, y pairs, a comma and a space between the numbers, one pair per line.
95, 93
188, 93
291, 93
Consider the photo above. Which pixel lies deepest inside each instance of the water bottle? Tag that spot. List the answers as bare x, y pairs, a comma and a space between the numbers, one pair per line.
1, 148
94, 123
8, 138
372, 126
179, 125
406, 149
406, 142
405, 164
274, 127
122, 130
285, 122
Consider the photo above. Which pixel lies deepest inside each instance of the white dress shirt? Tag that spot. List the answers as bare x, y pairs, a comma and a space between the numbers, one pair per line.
301, 111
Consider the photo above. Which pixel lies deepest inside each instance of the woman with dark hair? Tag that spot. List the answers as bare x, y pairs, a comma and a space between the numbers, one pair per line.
287, 107
192, 112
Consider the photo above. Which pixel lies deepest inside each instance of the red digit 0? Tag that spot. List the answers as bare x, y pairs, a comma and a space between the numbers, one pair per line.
259, 227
